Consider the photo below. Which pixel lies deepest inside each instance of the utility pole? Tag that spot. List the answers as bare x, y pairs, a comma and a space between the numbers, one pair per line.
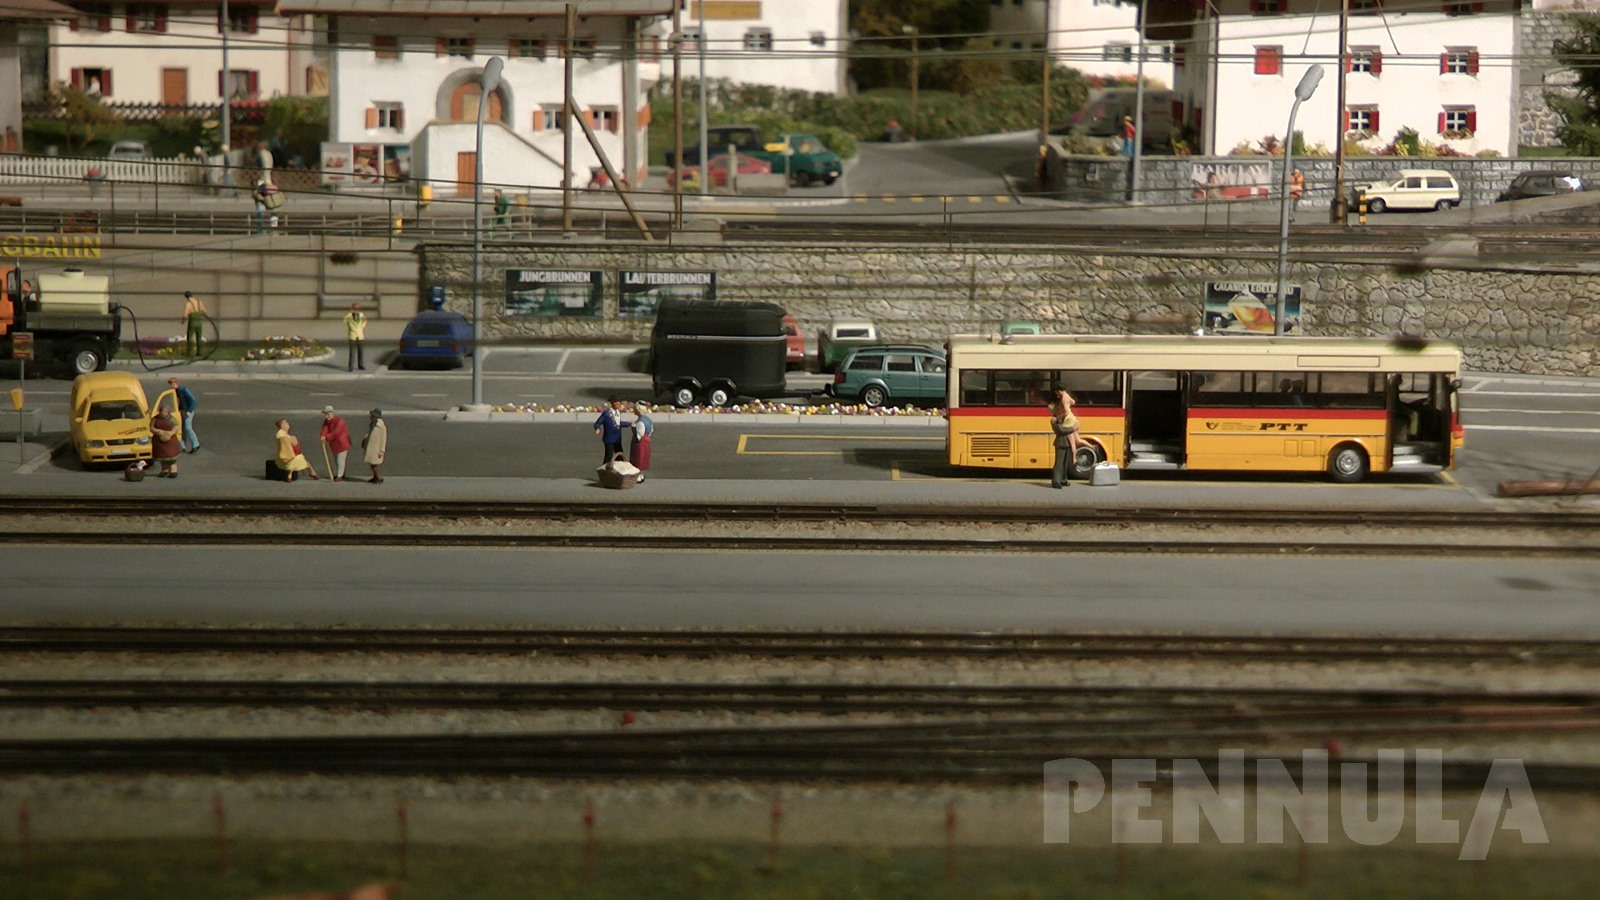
227, 100
677, 116
1340, 211
568, 114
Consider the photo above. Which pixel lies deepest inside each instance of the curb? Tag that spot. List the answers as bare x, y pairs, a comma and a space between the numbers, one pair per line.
684, 418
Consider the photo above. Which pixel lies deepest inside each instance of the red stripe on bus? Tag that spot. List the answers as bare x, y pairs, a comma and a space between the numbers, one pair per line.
1284, 412
1038, 411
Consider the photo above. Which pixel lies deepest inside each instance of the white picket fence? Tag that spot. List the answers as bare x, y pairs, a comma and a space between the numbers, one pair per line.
15, 169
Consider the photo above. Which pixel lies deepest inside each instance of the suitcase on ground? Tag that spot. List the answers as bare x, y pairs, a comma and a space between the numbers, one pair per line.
1105, 474
274, 473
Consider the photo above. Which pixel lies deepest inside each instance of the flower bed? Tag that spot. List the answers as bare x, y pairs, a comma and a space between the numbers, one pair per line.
290, 347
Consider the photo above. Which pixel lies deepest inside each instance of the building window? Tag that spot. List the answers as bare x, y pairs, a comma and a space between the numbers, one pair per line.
1164, 52
1366, 59
147, 18
96, 17
1462, 8
93, 81
690, 38
1458, 121
240, 84
1459, 61
241, 19
459, 47
818, 39
606, 118
550, 116
584, 47
1361, 118
1366, 7
1268, 7
759, 39
1117, 52
522, 48
1269, 60
385, 46
386, 115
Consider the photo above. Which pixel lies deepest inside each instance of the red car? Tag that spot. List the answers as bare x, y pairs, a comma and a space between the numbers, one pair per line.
795, 357
718, 165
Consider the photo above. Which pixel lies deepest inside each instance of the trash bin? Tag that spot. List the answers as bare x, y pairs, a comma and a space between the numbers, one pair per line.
424, 194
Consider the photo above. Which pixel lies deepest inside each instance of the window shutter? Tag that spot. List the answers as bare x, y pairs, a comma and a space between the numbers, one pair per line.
372, 117
1472, 62
1377, 62
222, 84
105, 82
220, 23
538, 120
1346, 121
72, 25
253, 23
588, 118
77, 78
105, 23
1472, 121
644, 117
1442, 128
161, 20
399, 118
131, 22
511, 49
1375, 126
1444, 63
1349, 60
440, 48
254, 85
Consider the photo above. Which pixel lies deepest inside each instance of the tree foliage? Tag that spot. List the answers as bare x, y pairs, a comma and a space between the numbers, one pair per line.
1579, 106
85, 116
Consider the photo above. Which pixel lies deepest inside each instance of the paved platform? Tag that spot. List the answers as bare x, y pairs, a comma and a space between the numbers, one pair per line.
36, 477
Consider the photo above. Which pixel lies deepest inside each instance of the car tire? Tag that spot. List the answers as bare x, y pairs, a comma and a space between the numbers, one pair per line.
830, 179
720, 394
1376, 205
802, 179
874, 396
1442, 205
685, 396
1347, 464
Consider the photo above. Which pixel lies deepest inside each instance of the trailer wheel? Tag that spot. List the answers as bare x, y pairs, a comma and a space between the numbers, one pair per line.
685, 395
720, 394
84, 358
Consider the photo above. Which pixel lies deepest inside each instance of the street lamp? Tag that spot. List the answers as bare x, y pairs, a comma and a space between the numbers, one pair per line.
915, 35
488, 83
1302, 92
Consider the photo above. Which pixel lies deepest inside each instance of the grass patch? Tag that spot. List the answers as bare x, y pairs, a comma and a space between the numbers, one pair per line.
174, 348
183, 870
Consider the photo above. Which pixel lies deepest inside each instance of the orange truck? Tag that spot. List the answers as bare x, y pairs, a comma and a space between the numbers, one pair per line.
67, 316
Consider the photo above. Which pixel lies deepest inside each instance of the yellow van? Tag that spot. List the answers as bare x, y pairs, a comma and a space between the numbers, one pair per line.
110, 418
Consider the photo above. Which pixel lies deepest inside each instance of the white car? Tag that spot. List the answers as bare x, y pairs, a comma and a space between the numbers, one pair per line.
129, 150
1414, 189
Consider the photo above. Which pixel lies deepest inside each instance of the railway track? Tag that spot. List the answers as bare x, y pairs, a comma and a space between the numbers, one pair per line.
877, 645
435, 510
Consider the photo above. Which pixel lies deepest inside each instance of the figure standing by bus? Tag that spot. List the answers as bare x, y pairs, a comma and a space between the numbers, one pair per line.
375, 445
1064, 424
336, 435
355, 330
166, 445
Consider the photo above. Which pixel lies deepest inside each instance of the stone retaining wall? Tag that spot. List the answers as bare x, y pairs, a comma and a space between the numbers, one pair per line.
1506, 319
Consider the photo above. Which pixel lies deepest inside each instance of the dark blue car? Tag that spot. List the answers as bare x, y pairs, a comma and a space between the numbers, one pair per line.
435, 338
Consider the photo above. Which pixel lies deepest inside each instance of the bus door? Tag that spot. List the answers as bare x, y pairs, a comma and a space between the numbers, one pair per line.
1157, 420
1421, 415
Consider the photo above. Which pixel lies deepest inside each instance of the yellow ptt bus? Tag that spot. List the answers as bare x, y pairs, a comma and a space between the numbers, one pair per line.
1219, 403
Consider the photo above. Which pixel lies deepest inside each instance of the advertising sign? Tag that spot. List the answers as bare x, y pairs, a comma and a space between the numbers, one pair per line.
367, 164
550, 293
338, 163
1249, 307
22, 345
640, 293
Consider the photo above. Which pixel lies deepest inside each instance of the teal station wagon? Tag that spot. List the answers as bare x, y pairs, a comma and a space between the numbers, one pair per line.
880, 375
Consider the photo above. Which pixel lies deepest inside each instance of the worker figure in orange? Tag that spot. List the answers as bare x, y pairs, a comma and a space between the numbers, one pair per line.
1297, 185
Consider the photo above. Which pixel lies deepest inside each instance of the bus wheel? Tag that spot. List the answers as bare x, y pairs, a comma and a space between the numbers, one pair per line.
1087, 457
874, 396
720, 394
85, 358
1347, 464
684, 396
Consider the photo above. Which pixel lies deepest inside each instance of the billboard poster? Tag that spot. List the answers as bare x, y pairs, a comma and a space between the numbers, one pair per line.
552, 293
338, 162
367, 162
1249, 307
397, 162
640, 293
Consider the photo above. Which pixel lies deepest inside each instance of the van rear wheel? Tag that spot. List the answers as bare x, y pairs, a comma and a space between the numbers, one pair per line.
720, 395
85, 358
684, 396
802, 179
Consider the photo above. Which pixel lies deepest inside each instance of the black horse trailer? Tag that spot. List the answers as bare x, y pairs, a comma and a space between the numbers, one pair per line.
713, 352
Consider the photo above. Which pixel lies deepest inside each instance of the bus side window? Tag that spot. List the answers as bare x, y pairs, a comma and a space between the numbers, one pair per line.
975, 388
